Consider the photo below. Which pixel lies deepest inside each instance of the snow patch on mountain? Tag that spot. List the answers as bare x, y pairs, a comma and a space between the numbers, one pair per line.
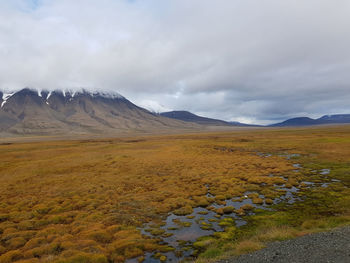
71, 93
153, 106
5, 97
104, 94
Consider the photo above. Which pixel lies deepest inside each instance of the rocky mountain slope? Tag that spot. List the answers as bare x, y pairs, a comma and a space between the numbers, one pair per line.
57, 112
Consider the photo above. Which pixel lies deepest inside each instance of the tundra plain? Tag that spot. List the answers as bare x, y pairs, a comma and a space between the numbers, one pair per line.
107, 200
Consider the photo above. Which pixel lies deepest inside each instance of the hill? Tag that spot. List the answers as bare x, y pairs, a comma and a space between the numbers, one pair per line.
305, 121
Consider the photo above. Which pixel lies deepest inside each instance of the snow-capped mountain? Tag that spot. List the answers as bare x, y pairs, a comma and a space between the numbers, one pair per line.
31, 111
70, 94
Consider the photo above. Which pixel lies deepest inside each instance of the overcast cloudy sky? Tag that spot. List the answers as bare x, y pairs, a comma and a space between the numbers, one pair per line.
248, 60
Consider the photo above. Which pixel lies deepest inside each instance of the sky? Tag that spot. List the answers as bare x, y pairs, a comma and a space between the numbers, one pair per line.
254, 61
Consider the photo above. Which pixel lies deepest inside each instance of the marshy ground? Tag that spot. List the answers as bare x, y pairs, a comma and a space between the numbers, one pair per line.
168, 198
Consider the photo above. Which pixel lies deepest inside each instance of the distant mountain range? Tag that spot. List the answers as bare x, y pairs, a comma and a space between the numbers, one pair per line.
31, 111
190, 117
305, 121
301, 121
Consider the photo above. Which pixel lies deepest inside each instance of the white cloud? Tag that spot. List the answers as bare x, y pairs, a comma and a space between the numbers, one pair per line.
230, 59
153, 106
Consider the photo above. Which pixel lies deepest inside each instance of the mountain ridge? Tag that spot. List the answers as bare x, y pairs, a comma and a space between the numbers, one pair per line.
33, 111
191, 117
29, 111
306, 121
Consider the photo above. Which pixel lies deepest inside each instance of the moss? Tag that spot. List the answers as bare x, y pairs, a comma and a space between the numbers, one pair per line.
126, 184
186, 224
268, 201
220, 211
166, 249
248, 246
201, 201
206, 226
203, 212
2, 250
258, 201
11, 256
211, 253
223, 235
227, 222
162, 258
85, 258
203, 242
186, 210
155, 231
165, 235
247, 207
228, 209
101, 236
16, 243
220, 197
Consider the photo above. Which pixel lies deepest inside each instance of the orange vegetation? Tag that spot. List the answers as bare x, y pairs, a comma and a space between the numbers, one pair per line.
67, 201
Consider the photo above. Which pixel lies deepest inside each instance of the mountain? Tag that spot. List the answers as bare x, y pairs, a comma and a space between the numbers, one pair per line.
190, 117
338, 118
300, 121
305, 121
30, 111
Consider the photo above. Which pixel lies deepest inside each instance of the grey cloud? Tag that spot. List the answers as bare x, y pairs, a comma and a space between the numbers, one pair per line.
242, 59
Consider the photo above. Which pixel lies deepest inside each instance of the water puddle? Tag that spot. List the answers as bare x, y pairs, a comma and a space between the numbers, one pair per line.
290, 156
325, 171
180, 232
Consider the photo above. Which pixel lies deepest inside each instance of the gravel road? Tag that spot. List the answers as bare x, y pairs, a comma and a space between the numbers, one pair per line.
333, 246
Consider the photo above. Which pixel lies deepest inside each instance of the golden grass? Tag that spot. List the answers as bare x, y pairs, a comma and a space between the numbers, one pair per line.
69, 200
247, 246
276, 233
